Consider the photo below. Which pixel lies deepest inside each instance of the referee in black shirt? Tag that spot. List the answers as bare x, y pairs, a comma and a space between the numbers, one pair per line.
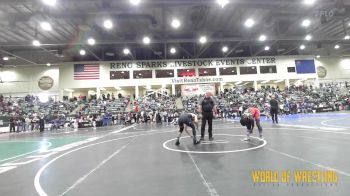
207, 107
274, 109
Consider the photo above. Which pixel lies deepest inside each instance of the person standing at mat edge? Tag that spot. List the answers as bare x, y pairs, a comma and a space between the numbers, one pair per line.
189, 120
12, 124
274, 109
207, 107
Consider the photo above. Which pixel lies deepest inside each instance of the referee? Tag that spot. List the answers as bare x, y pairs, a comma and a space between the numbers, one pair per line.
274, 109
207, 107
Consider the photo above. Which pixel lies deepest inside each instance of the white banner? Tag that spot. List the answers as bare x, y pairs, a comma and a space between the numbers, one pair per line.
197, 89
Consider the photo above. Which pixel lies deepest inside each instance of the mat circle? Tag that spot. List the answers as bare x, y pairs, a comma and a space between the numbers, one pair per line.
214, 152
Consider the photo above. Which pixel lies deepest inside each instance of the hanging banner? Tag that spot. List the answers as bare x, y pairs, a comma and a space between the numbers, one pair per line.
197, 89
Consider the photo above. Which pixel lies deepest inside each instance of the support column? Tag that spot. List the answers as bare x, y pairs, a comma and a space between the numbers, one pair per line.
317, 83
60, 98
70, 94
287, 84
255, 85
137, 92
98, 93
221, 86
173, 89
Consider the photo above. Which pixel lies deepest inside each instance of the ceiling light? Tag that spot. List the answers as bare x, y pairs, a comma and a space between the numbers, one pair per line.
48, 64
224, 49
318, 56
302, 47
308, 37
309, 2
175, 23
126, 51
249, 23
267, 48
222, 3
5, 58
146, 40
91, 41
347, 37
337, 46
173, 50
306, 23
49, 2
82, 52
46, 26
262, 38
203, 40
135, 2
36, 43
108, 24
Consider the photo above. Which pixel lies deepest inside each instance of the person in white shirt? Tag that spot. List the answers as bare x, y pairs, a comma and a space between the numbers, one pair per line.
27, 122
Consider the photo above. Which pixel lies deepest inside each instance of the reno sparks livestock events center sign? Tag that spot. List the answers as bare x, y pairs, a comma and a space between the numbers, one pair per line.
191, 63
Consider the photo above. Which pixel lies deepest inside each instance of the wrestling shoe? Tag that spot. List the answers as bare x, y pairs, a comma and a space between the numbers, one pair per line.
211, 138
261, 138
247, 139
177, 142
196, 142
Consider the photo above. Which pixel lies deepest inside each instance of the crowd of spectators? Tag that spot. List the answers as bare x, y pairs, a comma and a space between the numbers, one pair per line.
293, 100
26, 113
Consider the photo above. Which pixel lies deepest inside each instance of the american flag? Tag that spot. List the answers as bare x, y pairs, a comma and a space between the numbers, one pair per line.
86, 72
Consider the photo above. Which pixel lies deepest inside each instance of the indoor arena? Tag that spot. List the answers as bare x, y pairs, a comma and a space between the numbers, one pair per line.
174, 97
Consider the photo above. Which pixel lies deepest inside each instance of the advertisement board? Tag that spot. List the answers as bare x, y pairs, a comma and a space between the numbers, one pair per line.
197, 89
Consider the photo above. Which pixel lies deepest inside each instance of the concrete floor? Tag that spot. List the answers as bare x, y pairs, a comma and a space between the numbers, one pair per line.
143, 160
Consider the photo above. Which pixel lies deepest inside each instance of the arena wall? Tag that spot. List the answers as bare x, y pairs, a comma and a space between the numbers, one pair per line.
338, 69
23, 80
20, 81
282, 63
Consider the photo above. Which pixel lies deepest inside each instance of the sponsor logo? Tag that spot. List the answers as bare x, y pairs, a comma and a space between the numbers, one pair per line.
45, 83
295, 177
